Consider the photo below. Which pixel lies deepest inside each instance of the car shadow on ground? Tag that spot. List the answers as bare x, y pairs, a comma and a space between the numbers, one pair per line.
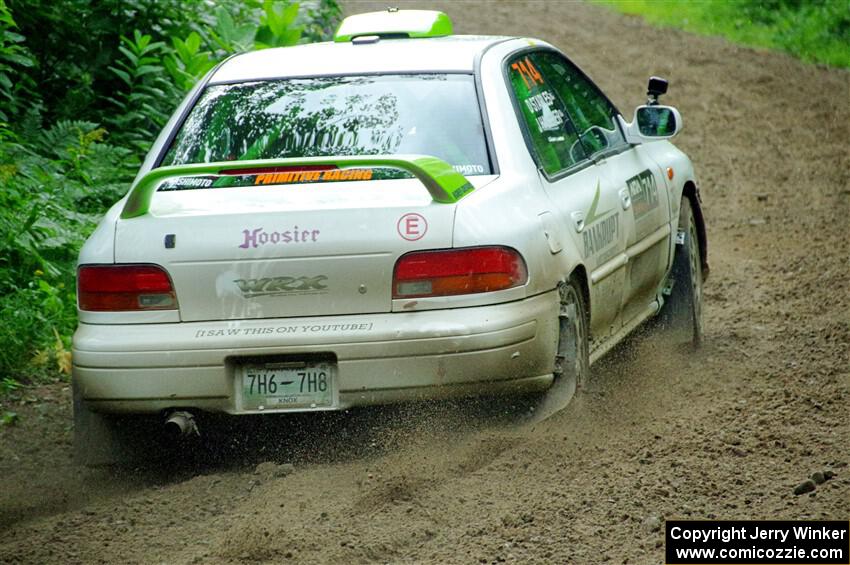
638, 367
238, 444
229, 444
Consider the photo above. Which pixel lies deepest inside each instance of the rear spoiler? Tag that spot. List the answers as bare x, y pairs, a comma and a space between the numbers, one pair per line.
443, 183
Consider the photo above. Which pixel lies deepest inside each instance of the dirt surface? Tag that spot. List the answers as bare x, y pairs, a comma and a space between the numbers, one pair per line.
727, 432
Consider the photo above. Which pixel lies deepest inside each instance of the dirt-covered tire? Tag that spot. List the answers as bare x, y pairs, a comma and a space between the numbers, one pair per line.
572, 358
572, 353
102, 439
681, 316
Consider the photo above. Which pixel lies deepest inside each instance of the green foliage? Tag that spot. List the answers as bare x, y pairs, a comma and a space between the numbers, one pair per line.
142, 106
13, 57
8, 385
816, 31
52, 191
319, 18
72, 59
155, 75
81, 99
188, 62
277, 26
8, 418
229, 36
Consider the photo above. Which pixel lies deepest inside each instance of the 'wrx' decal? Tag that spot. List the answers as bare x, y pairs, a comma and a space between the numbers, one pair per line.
282, 285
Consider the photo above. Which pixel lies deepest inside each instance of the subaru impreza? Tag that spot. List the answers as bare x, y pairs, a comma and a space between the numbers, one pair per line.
399, 214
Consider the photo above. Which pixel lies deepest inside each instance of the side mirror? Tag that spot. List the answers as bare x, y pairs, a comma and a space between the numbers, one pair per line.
652, 123
657, 121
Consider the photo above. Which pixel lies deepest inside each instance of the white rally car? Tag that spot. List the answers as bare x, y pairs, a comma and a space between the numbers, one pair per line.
399, 214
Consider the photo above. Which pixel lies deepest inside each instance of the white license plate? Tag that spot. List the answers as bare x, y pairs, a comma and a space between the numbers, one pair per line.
281, 386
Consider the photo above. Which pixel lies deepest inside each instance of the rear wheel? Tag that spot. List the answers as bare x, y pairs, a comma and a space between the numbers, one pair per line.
572, 355
681, 315
572, 360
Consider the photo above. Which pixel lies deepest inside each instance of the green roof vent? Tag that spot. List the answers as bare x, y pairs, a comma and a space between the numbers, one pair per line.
394, 23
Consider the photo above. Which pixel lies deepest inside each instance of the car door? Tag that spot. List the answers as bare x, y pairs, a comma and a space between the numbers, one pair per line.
585, 199
636, 178
649, 230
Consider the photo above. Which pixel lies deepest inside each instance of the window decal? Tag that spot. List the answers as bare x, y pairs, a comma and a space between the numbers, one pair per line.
528, 72
553, 138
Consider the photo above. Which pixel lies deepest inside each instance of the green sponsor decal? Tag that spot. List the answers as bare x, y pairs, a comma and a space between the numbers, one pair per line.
443, 183
592, 215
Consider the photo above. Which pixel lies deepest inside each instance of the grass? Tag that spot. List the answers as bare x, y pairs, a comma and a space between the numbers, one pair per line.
816, 31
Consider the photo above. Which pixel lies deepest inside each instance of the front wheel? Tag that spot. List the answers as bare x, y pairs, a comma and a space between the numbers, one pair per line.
681, 315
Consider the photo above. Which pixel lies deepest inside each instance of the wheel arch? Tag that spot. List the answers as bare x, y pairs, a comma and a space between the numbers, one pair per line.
691, 192
580, 272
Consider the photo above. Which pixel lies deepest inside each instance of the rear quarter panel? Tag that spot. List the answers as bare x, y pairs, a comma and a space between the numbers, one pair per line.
508, 211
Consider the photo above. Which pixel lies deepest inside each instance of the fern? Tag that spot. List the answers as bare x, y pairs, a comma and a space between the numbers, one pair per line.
143, 107
61, 137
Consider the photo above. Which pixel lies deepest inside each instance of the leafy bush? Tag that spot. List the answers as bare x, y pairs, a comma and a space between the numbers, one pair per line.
52, 190
155, 75
13, 56
141, 108
79, 107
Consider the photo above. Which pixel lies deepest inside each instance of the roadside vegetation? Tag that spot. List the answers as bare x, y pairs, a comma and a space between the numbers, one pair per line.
816, 31
85, 86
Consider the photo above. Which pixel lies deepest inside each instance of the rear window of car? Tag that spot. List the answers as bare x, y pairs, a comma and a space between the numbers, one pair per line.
427, 114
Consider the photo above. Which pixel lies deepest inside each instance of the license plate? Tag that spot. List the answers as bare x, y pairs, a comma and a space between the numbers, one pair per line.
282, 386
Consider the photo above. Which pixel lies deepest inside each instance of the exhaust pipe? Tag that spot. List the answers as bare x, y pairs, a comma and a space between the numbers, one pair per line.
180, 424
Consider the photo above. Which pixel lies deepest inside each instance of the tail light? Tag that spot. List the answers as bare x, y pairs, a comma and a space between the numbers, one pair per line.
458, 271
121, 288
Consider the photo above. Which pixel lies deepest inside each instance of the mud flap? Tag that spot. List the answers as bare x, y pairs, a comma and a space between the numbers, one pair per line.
681, 313
555, 399
571, 335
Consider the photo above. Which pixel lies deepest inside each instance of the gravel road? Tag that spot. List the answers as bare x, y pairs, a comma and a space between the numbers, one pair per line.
727, 432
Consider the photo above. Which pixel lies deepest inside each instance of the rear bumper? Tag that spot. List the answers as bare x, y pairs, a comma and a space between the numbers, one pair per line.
380, 357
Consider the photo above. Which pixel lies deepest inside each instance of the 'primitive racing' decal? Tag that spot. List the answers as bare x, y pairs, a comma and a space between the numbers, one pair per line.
313, 176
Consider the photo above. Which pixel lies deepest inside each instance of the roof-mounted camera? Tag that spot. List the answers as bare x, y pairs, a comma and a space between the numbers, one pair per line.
657, 87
